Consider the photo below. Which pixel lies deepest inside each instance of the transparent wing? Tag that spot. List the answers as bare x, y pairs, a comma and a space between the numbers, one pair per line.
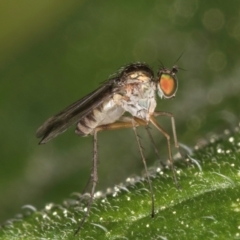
73, 113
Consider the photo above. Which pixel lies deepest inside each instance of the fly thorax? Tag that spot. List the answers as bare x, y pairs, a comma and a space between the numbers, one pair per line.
140, 101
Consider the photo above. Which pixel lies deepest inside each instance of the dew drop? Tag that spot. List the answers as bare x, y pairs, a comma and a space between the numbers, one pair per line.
219, 150
49, 206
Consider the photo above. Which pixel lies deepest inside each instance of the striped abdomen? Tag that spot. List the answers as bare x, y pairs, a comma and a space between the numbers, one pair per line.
107, 112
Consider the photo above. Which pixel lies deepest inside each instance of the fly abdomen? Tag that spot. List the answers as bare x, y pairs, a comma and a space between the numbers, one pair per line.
105, 113
86, 125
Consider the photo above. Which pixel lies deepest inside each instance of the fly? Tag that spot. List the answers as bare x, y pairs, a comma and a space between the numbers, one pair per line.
131, 90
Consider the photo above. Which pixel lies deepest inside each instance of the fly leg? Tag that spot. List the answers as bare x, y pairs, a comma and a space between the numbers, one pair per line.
168, 114
141, 122
134, 122
166, 135
158, 113
125, 122
154, 146
87, 185
94, 179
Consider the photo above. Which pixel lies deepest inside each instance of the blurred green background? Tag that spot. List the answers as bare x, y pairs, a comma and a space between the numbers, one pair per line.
55, 52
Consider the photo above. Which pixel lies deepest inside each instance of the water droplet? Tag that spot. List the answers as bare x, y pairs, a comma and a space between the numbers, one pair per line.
98, 194
219, 150
49, 206
116, 188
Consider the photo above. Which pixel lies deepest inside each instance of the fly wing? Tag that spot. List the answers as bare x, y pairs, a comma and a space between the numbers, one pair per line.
73, 113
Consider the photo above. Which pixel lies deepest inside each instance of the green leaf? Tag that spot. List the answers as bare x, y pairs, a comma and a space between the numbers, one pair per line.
206, 207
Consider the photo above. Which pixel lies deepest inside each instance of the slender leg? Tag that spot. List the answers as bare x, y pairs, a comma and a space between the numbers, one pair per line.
166, 135
94, 178
87, 185
144, 163
156, 114
127, 122
154, 145
168, 114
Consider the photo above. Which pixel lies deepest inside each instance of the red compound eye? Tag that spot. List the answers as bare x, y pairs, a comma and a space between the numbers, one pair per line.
167, 82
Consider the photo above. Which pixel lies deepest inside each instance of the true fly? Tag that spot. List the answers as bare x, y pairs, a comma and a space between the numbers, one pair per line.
131, 90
